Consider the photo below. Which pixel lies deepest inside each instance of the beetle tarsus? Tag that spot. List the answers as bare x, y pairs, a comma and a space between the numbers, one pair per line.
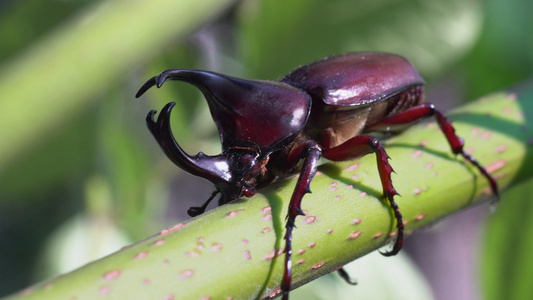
398, 244
198, 210
492, 181
344, 275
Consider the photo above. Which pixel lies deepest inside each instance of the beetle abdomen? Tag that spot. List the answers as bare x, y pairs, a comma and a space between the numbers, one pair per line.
354, 79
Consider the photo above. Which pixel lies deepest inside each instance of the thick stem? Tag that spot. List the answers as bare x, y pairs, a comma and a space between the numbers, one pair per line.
236, 250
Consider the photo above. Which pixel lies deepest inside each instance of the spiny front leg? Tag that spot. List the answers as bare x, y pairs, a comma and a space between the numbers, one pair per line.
362, 145
312, 155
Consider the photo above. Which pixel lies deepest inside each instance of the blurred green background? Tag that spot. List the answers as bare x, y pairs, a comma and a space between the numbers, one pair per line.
80, 175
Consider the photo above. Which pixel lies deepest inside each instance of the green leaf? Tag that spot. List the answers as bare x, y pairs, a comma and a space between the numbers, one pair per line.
433, 34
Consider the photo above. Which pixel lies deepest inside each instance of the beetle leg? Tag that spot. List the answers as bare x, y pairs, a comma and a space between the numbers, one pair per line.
362, 145
198, 210
312, 154
412, 115
344, 275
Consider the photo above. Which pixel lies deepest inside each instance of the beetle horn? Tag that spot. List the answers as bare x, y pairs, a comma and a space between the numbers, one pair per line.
202, 79
212, 168
243, 108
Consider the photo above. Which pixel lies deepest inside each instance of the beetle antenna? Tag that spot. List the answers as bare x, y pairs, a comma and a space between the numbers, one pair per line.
198, 210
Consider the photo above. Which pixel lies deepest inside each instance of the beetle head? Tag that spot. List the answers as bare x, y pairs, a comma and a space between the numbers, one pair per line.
254, 118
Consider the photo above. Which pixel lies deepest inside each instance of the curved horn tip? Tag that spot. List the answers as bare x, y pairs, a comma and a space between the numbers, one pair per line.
168, 107
147, 85
150, 116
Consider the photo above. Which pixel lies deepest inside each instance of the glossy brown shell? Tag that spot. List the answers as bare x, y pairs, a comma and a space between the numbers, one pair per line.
354, 80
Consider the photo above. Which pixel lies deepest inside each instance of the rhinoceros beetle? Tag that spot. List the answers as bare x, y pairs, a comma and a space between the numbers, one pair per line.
323, 109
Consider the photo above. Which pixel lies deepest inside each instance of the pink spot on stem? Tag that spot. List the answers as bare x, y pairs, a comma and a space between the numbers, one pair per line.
267, 217
310, 219
429, 165
146, 281
318, 265
302, 251
266, 209
159, 242
356, 221
274, 293
363, 194
330, 231
420, 217
170, 297
352, 167
485, 135
354, 235
423, 143
216, 247
501, 148
171, 229
378, 235
141, 255
417, 153
104, 290
232, 214
270, 255
338, 197
247, 255
111, 275
244, 242
495, 166
301, 261
312, 245
186, 274
265, 230
417, 191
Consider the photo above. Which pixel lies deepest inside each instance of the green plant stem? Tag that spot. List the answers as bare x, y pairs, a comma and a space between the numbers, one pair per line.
233, 252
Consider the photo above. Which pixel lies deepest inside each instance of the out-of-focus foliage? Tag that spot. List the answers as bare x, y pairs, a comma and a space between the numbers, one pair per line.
69, 70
